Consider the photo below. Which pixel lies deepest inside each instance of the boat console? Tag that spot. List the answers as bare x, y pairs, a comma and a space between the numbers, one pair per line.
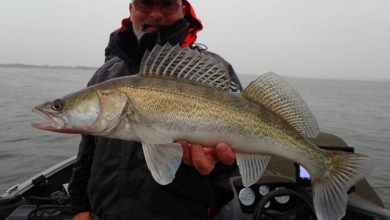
279, 196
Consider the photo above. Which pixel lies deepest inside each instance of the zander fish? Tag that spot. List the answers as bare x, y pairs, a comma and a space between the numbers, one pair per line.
184, 94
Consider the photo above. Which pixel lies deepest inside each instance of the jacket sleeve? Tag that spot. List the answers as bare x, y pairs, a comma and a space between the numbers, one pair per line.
80, 176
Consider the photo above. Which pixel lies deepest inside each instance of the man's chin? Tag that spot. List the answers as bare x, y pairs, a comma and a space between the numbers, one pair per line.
146, 30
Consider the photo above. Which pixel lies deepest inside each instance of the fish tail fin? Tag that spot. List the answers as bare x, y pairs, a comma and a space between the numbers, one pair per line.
330, 191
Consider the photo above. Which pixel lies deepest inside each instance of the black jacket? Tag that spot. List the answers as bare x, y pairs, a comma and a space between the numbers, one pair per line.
111, 177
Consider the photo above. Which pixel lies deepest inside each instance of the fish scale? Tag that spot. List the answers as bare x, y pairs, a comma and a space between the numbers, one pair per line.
196, 106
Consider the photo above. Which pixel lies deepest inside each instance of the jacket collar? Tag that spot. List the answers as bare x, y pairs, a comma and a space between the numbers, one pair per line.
126, 45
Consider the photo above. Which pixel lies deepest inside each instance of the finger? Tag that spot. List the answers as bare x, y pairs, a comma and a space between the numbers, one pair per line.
211, 152
225, 153
186, 152
202, 162
82, 216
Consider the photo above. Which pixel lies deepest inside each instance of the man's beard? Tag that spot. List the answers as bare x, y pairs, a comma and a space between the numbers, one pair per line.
149, 23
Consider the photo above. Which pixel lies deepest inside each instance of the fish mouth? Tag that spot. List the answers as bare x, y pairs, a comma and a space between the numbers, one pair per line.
50, 121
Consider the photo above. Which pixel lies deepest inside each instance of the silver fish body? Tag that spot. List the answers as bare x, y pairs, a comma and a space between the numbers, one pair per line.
164, 103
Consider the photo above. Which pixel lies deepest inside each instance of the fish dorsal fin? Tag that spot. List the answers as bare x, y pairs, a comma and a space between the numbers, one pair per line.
184, 64
276, 94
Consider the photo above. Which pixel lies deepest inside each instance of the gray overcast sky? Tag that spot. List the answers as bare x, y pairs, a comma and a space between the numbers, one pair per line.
310, 38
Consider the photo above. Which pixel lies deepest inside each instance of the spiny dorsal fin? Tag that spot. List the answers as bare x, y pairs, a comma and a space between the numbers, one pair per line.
276, 94
184, 63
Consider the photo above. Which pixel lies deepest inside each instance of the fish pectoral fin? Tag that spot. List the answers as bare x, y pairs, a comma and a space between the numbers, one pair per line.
163, 160
251, 167
132, 114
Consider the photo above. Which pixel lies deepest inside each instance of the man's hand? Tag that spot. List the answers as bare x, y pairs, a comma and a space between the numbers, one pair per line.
204, 158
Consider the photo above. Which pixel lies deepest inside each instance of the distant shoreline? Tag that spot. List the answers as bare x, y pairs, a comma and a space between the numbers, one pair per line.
251, 76
21, 65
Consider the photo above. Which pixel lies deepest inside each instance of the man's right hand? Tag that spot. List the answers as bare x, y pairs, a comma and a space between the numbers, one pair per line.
204, 158
82, 216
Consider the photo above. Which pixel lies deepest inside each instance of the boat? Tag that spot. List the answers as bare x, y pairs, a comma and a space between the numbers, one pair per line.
283, 192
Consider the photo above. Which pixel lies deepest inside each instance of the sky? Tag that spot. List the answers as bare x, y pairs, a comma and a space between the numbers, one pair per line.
340, 39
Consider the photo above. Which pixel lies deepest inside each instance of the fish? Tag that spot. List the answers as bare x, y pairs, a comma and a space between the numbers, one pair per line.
183, 94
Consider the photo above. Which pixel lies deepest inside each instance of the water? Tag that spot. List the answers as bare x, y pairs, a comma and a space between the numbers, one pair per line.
357, 111
25, 151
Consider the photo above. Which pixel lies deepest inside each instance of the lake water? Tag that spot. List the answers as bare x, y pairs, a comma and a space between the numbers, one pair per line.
356, 111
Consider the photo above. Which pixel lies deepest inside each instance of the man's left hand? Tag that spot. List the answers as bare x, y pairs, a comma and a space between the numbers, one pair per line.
204, 158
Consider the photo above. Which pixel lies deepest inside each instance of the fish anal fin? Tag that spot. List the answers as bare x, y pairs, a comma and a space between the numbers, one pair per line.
251, 167
330, 192
277, 95
163, 161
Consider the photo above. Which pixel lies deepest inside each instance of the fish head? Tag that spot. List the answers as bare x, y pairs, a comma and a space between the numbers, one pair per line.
88, 111
70, 114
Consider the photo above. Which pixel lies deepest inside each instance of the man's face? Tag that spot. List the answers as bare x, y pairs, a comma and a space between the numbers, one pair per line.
150, 15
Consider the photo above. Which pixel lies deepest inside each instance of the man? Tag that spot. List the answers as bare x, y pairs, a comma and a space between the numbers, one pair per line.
110, 178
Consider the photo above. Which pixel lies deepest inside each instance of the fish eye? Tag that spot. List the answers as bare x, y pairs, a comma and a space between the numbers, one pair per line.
58, 105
